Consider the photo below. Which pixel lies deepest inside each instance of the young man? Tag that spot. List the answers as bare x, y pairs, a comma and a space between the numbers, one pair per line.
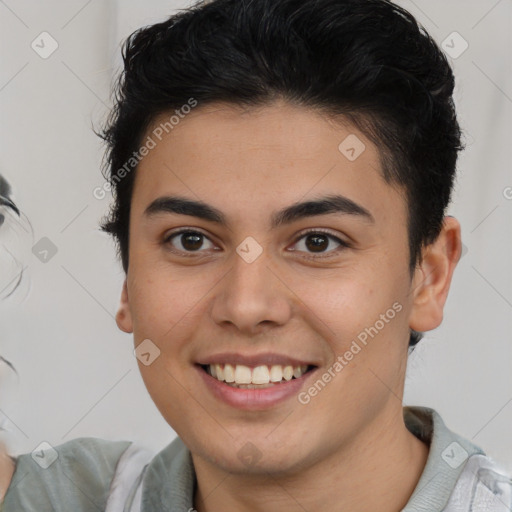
281, 172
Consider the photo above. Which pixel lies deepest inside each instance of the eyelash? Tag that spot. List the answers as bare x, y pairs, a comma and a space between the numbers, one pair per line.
311, 255
342, 243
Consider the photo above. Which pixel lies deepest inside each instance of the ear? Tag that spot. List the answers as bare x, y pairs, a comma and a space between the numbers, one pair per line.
124, 315
432, 278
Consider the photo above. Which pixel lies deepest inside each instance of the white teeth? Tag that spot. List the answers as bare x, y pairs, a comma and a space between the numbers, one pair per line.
219, 372
229, 373
250, 378
276, 373
288, 372
260, 375
242, 374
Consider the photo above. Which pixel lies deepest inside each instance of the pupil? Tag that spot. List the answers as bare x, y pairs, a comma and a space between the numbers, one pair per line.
191, 241
316, 242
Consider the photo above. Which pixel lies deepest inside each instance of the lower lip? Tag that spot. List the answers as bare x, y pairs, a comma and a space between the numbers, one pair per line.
254, 399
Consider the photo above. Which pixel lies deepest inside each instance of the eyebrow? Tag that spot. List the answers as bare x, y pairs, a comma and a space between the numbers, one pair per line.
322, 206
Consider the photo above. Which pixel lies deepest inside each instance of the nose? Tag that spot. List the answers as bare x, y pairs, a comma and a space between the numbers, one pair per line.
252, 297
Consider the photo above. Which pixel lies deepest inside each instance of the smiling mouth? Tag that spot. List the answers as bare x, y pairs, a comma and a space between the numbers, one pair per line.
258, 377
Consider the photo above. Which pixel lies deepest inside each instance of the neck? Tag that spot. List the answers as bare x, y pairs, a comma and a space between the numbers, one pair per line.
379, 470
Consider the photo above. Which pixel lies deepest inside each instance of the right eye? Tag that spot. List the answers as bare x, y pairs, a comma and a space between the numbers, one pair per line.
187, 241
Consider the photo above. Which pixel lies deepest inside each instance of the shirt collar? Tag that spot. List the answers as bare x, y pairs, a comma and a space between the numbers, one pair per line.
446, 459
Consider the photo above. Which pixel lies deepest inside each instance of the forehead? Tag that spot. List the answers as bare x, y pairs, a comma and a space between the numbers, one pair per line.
261, 156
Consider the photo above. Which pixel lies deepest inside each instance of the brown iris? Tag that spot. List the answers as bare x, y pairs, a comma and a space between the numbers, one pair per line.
317, 242
191, 241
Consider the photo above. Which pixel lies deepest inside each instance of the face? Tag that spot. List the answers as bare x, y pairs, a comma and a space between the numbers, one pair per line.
282, 251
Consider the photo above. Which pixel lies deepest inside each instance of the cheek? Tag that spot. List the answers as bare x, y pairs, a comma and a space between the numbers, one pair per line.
345, 301
165, 307
171, 393
358, 316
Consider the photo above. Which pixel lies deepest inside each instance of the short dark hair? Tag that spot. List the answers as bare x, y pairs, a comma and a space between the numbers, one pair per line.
368, 61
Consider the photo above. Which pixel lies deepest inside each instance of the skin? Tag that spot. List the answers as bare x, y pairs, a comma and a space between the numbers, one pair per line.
6, 470
249, 164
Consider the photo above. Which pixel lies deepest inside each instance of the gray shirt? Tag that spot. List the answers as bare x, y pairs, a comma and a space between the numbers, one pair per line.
86, 476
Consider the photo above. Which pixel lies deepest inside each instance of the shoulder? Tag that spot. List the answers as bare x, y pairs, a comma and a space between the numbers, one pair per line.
74, 476
169, 478
483, 485
458, 475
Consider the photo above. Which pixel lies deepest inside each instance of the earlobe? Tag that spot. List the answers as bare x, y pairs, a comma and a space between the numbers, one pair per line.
124, 315
433, 276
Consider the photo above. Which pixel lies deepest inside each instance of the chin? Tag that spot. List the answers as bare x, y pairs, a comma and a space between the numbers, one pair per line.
254, 457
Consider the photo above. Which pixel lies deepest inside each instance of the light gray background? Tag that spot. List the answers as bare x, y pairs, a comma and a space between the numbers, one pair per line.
78, 375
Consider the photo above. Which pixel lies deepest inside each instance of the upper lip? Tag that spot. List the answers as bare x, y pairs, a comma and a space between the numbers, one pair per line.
253, 360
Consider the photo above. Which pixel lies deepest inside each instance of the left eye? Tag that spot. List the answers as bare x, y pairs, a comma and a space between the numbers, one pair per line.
189, 241
318, 242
